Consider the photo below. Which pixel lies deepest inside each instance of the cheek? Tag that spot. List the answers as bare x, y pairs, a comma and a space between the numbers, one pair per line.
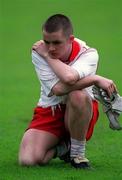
62, 49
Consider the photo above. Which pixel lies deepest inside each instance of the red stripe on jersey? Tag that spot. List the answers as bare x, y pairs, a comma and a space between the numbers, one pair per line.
75, 50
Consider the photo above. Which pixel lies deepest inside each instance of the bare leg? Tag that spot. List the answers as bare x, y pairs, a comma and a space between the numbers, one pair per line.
78, 114
77, 118
37, 147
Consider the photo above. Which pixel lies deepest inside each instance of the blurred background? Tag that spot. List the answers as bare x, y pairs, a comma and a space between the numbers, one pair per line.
98, 22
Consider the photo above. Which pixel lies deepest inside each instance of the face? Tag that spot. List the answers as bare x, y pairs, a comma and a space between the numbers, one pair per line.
58, 45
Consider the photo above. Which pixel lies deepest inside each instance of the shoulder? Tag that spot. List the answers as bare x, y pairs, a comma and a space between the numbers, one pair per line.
81, 43
84, 48
37, 58
35, 55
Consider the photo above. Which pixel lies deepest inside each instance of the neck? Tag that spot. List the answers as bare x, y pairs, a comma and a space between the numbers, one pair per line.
65, 59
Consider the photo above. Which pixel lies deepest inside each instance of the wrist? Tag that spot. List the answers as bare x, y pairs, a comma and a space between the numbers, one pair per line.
47, 57
95, 80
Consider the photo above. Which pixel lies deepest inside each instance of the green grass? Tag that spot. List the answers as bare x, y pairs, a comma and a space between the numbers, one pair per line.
96, 21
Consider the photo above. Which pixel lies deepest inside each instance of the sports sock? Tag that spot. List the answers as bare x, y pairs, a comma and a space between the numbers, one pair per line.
77, 148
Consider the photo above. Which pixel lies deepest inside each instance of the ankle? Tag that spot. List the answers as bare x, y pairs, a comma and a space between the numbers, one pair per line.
77, 148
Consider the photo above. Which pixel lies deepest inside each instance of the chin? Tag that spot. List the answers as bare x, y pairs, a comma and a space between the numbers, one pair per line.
55, 56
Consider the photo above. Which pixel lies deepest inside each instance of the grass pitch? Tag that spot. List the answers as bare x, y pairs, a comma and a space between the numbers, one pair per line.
99, 23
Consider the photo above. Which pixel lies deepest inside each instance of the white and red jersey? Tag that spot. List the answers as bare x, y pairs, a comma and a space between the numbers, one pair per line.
83, 59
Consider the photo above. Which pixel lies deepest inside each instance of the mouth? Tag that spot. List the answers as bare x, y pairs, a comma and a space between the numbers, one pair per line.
53, 54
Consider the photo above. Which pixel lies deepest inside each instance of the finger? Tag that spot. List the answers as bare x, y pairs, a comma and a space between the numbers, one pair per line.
34, 47
115, 88
109, 92
37, 44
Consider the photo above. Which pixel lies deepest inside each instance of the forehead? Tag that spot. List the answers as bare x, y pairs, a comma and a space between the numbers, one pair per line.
58, 35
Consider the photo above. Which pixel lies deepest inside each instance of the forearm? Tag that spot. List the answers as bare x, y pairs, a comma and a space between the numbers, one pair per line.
64, 72
61, 89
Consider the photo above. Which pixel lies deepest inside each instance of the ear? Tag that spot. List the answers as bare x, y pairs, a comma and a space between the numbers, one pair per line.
71, 38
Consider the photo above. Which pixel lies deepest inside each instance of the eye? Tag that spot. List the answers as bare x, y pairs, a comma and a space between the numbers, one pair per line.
46, 42
57, 42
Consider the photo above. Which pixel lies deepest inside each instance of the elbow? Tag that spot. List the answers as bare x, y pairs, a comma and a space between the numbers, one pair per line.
57, 90
70, 79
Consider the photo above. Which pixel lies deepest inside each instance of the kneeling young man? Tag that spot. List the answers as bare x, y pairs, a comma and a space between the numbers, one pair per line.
66, 113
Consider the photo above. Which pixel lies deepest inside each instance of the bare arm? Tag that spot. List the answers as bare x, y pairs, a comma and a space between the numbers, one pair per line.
69, 78
61, 89
64, 72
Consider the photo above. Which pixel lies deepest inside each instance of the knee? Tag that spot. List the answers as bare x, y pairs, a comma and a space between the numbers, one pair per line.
31, 159
79, 99
25, 160
30, 156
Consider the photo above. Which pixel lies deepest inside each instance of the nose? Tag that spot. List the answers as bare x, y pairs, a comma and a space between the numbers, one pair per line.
51, 47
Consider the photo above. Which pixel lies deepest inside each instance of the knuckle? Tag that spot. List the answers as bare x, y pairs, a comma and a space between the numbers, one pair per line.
111, 82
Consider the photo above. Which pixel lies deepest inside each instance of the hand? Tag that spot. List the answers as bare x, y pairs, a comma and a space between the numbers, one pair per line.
112, 106
40, 48
106, 84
